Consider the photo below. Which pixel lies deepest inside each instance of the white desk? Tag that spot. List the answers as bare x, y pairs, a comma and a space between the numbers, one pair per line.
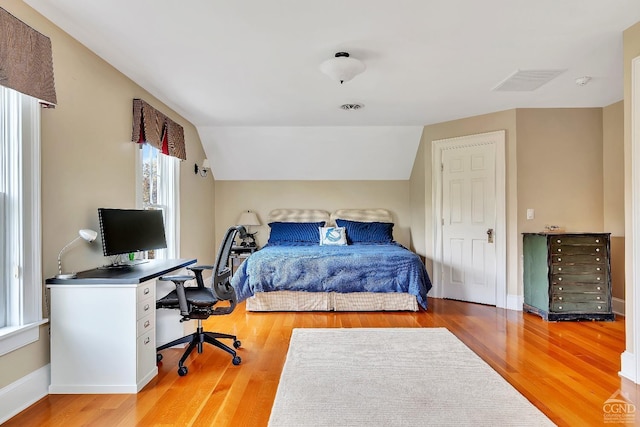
103, 335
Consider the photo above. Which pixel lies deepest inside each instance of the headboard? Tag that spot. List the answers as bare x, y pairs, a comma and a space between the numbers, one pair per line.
362, 215
298, 215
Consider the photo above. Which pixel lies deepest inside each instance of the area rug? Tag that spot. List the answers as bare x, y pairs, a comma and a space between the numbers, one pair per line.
393, 377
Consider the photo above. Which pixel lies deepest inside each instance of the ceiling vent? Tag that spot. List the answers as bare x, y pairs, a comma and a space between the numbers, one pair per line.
527, 80
350, 107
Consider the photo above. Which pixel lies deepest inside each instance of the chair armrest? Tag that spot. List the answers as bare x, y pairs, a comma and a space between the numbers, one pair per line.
180, 293
197, 270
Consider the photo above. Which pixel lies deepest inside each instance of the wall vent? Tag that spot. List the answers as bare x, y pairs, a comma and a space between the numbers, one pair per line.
527, 80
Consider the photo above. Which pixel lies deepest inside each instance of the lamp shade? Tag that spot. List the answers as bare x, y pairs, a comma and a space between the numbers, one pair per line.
342, 67
88, 235
248, 218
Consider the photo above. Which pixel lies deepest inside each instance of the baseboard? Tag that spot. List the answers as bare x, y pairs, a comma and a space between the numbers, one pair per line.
628, 366
617, 304
24, 392
514, 302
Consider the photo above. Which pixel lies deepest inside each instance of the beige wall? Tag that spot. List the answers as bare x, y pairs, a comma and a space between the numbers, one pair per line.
88, 162
417, 183
613, 186
263, 196
560, 168
631, 50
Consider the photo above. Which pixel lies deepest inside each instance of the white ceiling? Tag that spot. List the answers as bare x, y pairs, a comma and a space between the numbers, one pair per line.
246, 72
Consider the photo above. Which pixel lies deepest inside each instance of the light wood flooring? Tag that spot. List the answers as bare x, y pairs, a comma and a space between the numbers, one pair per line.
567, 369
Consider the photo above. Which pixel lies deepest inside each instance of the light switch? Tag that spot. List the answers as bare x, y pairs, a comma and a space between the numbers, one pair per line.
531, 213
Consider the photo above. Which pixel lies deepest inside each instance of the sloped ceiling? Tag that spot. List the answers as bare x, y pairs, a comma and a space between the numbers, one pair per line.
246, 72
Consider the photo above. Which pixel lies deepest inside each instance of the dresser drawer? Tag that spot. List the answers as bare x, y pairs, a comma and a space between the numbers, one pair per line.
587, 297
564, 239
579, 268
579, 307
579, 288
578, 259
577, 250
579, 278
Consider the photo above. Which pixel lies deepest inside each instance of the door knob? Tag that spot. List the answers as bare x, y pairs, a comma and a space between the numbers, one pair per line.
490, 235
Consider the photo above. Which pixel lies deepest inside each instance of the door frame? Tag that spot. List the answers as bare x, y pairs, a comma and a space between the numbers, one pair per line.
496, 138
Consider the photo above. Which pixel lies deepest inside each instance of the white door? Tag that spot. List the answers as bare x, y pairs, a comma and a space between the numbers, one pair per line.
469, 223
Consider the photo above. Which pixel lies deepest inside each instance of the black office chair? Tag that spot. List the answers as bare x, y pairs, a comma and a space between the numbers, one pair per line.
199, 303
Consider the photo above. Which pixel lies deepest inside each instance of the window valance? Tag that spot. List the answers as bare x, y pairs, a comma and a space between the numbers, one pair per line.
26, 61
155, 128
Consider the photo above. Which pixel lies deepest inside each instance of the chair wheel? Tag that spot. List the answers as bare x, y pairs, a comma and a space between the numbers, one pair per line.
236, 360
158, 357
237, 344
182, 371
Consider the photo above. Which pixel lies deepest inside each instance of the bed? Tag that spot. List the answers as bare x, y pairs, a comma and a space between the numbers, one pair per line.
343, 261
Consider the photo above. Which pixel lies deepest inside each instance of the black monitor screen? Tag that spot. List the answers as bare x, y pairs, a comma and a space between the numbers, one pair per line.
131, 230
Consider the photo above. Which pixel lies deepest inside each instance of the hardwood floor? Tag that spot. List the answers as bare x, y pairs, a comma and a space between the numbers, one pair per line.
567, 369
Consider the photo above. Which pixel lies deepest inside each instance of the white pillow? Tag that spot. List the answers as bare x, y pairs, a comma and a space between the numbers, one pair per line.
333, 236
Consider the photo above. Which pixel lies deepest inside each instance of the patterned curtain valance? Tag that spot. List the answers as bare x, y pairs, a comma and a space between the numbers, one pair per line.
26, 61
155, 128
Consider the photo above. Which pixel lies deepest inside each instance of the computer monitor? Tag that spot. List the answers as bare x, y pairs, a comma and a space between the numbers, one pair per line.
125, 231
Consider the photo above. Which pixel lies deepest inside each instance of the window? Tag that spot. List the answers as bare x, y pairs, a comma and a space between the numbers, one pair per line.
20, 242
159, 190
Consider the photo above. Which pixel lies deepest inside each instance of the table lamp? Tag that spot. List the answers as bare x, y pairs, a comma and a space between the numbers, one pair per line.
247, 219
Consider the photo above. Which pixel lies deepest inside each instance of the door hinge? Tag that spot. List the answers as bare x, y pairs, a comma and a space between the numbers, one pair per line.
441, 167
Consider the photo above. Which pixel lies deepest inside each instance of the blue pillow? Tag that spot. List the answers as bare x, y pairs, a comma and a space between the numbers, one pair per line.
367, 232
294, 233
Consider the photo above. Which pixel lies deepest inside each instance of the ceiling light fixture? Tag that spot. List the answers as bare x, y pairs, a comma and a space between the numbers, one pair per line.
350, 107
342, 67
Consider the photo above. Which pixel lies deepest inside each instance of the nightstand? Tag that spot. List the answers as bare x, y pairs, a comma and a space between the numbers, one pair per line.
238, 255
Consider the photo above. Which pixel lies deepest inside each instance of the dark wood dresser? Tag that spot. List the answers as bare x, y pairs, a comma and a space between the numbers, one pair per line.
567, 276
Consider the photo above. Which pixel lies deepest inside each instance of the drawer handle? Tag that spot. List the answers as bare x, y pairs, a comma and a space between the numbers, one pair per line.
559, 279
597, 240
559, 249
147, 307
599, 307
597, 278
146, 324
559, 268
147, 340
560, 298
597, 297
559, 307
559, 259
598, 288
597, 268
560, 288
597, 259
559, 241
146, 291
597, 249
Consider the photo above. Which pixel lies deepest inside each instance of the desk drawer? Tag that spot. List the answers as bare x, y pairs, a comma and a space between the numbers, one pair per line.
145, 307
147, 290
146, 354
145, 324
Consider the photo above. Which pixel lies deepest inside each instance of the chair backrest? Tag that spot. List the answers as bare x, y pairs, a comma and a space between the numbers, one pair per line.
220, 282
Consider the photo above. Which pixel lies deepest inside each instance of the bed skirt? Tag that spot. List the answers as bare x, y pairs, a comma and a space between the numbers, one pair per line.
331, 301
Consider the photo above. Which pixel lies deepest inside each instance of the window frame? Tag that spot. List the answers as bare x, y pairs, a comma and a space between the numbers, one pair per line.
168, 195
22, 277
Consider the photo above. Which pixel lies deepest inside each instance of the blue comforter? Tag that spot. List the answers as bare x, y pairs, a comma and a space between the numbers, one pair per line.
352, 268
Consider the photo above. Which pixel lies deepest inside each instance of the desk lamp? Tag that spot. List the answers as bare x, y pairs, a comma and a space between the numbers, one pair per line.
86, 234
